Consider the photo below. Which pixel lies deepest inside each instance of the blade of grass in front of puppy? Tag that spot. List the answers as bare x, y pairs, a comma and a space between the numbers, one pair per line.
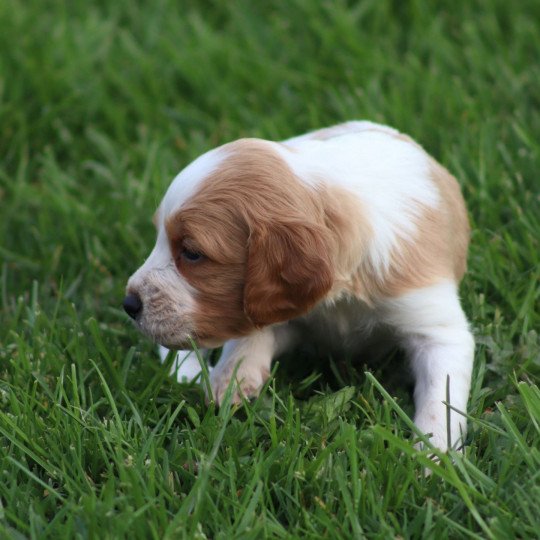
205, 373
400, 412
446, 472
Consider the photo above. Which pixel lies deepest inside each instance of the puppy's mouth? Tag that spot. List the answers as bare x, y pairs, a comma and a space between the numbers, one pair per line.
189, 343
166, 333
176, 340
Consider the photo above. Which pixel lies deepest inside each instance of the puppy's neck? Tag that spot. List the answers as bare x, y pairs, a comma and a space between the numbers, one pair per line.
350, 233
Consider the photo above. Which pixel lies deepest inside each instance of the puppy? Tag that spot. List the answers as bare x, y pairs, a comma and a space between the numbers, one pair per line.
350, 235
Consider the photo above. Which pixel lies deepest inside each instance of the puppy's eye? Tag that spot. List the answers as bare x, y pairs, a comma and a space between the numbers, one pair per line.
191, 256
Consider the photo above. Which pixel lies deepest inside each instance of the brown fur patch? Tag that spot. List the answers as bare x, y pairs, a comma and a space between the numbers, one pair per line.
350, 232
289, 270
218, 278
270, 243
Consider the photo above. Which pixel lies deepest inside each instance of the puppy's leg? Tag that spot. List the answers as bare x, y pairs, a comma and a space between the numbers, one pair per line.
248, 361
186, 365
441, 348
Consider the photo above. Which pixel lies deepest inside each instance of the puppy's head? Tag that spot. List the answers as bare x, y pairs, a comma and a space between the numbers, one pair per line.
241, 244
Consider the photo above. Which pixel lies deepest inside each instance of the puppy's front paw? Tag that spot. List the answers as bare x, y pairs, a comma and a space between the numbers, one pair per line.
247, 381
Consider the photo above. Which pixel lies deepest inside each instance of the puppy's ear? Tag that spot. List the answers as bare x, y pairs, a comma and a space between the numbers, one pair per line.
288, 271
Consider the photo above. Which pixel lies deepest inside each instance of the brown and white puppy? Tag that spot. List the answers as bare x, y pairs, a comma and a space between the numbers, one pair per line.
352, 230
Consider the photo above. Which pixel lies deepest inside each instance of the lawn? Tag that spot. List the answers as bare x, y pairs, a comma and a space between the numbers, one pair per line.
101, 104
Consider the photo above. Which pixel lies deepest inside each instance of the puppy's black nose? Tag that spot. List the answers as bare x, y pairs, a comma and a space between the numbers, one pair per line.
132, 305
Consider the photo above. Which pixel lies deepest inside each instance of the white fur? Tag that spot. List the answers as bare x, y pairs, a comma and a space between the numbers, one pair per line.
186, 182
390, 176
346, 128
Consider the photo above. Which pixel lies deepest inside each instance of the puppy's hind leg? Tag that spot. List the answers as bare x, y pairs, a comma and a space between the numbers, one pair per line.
440, 346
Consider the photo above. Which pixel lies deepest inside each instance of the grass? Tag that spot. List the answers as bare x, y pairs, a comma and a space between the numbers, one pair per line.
101, 104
